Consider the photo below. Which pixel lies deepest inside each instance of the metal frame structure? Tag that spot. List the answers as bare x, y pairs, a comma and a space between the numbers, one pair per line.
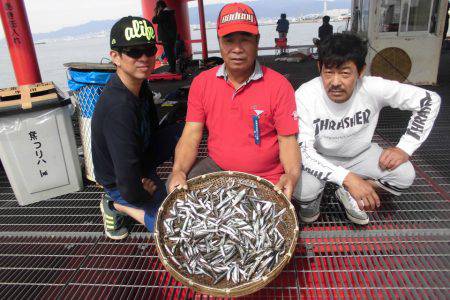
423, 47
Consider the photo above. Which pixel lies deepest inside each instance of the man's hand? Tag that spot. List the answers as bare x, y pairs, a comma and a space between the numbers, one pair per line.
149, 186
178, 178
290, 158
185, 154
286, 184
392, 157
362, 191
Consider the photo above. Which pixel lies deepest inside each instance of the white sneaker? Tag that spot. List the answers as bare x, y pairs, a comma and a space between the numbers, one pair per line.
352, 210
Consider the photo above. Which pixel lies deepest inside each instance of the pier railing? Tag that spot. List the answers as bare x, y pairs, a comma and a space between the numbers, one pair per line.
309, 48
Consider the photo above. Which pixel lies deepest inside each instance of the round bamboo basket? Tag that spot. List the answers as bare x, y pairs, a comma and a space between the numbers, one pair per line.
202, 284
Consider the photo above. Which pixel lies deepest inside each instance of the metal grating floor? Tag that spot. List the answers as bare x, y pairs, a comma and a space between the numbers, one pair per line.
344, 267
56, 249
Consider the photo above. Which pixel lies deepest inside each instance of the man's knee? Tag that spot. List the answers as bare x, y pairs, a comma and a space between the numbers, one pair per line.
204, 166
308, 188
406, 174
402, 177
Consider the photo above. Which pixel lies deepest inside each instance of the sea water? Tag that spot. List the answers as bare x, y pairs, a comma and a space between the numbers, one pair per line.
53, 54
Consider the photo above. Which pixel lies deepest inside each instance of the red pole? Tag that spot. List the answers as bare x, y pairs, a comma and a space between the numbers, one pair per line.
20, 42
201, 16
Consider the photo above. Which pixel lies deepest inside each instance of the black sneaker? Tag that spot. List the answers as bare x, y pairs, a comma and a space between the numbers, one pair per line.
113, 221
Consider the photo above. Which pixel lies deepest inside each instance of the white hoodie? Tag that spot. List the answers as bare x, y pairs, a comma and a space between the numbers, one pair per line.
346, 129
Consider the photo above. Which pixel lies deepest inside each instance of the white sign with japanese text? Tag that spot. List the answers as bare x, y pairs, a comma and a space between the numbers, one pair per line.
39, 157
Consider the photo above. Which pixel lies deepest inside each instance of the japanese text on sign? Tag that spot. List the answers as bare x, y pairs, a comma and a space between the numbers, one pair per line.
40, 160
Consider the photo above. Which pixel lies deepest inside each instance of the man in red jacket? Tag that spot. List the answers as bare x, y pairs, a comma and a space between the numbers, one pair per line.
248, 109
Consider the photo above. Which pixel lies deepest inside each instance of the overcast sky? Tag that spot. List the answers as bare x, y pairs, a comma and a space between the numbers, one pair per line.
50, 15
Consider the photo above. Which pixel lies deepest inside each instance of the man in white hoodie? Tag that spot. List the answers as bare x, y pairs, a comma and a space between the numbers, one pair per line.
338, 113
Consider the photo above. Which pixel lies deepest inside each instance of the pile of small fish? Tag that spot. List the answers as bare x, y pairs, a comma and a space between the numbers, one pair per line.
227, 232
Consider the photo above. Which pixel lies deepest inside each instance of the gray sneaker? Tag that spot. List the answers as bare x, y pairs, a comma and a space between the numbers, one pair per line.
113, 221
309, 211
352, 210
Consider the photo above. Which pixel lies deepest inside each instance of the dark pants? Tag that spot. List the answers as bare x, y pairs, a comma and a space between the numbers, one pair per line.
169, 50
163, 143
204, 166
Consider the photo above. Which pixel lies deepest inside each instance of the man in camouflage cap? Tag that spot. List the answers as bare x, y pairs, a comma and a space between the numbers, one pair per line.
127, 143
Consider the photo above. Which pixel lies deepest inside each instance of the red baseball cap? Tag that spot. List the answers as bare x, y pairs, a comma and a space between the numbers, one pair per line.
236, 17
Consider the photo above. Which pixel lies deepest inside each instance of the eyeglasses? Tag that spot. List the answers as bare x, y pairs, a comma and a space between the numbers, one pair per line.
138, 52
